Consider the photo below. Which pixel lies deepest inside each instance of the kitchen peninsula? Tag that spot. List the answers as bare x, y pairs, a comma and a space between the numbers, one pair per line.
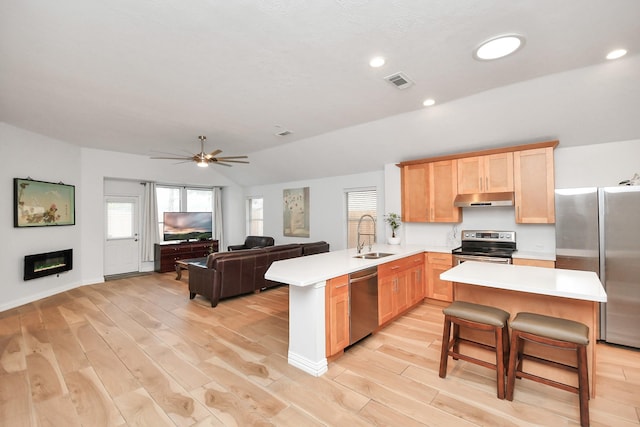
307, 278
568, 294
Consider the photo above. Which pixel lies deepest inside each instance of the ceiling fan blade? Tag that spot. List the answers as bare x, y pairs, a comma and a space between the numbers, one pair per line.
230, 161
173, 158
220, 163
185, 161
232, 157
157, 153
214, 153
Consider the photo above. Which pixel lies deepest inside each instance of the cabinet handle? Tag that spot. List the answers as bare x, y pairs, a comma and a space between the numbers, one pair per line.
341, 286
480, 179
395, 267
432, 214
487, 184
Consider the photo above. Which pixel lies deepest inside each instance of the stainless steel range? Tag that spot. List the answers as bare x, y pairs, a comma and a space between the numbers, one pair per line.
485, 246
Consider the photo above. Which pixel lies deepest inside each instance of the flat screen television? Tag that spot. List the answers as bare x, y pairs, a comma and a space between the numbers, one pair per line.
187, 226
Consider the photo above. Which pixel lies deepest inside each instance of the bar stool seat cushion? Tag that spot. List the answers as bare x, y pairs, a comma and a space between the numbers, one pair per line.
477, 313
552, 327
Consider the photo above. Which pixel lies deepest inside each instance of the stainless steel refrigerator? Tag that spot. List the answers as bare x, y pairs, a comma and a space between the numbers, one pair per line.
598, 229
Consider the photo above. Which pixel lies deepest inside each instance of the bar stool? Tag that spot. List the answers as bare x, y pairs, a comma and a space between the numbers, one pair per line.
555, 332
484, 318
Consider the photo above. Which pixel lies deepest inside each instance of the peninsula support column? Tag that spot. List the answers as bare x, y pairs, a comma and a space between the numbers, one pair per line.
307, 343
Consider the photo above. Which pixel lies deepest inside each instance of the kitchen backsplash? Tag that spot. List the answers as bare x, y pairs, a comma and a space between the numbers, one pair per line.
530, 237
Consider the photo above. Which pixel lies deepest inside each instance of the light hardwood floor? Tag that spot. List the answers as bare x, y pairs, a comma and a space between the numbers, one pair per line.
138, 352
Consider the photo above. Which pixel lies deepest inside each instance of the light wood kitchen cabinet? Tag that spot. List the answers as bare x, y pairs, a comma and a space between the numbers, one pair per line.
485, 174
534, 262
534, 186
437, 288
415, 279
428, 191
443, 188
337, 314
429, 186
386, 290
415, 192
392, 290
400, 286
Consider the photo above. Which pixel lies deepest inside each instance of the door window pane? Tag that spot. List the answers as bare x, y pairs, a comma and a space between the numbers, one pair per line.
120, 217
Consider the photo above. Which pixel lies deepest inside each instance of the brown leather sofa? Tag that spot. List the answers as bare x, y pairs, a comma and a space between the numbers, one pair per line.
239, 272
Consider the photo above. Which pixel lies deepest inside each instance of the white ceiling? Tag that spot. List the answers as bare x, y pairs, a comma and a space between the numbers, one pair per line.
143, 76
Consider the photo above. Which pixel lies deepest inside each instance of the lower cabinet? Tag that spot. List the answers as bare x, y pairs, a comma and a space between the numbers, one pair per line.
534, 262
437, 288
337, 314
416, 279
400, 286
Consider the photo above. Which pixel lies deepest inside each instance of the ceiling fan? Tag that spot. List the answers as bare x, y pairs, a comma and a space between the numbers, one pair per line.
203, 159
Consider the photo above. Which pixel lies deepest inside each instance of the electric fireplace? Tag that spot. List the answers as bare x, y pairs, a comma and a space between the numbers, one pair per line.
46, 264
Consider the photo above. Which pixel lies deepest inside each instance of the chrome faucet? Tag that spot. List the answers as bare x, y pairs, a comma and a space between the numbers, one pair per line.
361, 245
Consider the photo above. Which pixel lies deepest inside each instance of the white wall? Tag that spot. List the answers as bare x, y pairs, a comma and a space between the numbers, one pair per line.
327, 207
24, 154
601, 165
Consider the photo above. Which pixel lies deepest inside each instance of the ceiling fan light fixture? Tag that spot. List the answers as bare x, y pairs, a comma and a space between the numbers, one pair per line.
203, 163
498, 47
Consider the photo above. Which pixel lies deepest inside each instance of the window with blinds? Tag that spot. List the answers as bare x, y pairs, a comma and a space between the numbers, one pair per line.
255, 216
361, 202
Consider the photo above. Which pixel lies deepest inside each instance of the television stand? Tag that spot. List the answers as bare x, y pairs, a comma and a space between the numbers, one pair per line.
166, 254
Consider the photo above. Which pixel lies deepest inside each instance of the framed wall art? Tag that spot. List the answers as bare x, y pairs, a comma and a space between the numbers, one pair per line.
296, 212
39, 203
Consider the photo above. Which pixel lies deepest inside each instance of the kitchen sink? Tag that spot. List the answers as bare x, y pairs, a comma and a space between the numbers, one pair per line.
373, 255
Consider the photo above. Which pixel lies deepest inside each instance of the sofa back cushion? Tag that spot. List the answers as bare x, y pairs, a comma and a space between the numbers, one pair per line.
314, 248
258, 241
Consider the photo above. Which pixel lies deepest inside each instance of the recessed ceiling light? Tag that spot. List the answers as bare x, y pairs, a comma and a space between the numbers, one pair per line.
377, 62
429, 102
615, 54
498, 47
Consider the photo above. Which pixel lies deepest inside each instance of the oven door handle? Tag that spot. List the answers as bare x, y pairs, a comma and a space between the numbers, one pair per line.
459, 259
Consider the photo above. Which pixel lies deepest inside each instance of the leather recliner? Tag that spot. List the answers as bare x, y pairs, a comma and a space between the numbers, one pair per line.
252, 242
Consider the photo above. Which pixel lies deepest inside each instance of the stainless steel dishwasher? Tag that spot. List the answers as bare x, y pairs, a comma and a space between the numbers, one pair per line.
363, 303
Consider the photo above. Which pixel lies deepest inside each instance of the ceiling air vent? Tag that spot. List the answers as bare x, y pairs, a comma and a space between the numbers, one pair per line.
399, 80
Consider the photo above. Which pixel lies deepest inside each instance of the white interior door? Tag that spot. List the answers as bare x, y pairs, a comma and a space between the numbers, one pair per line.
122, 245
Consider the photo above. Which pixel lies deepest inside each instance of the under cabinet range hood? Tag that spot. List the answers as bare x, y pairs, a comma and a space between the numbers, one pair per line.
481, 200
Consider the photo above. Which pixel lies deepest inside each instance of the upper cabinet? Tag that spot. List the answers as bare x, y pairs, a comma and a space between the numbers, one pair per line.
534, 186
485, 174
443, 188
430, 186
415, 192
428, 191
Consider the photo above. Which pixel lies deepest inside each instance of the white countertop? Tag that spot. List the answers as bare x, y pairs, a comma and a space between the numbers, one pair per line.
307, 270
582, 285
